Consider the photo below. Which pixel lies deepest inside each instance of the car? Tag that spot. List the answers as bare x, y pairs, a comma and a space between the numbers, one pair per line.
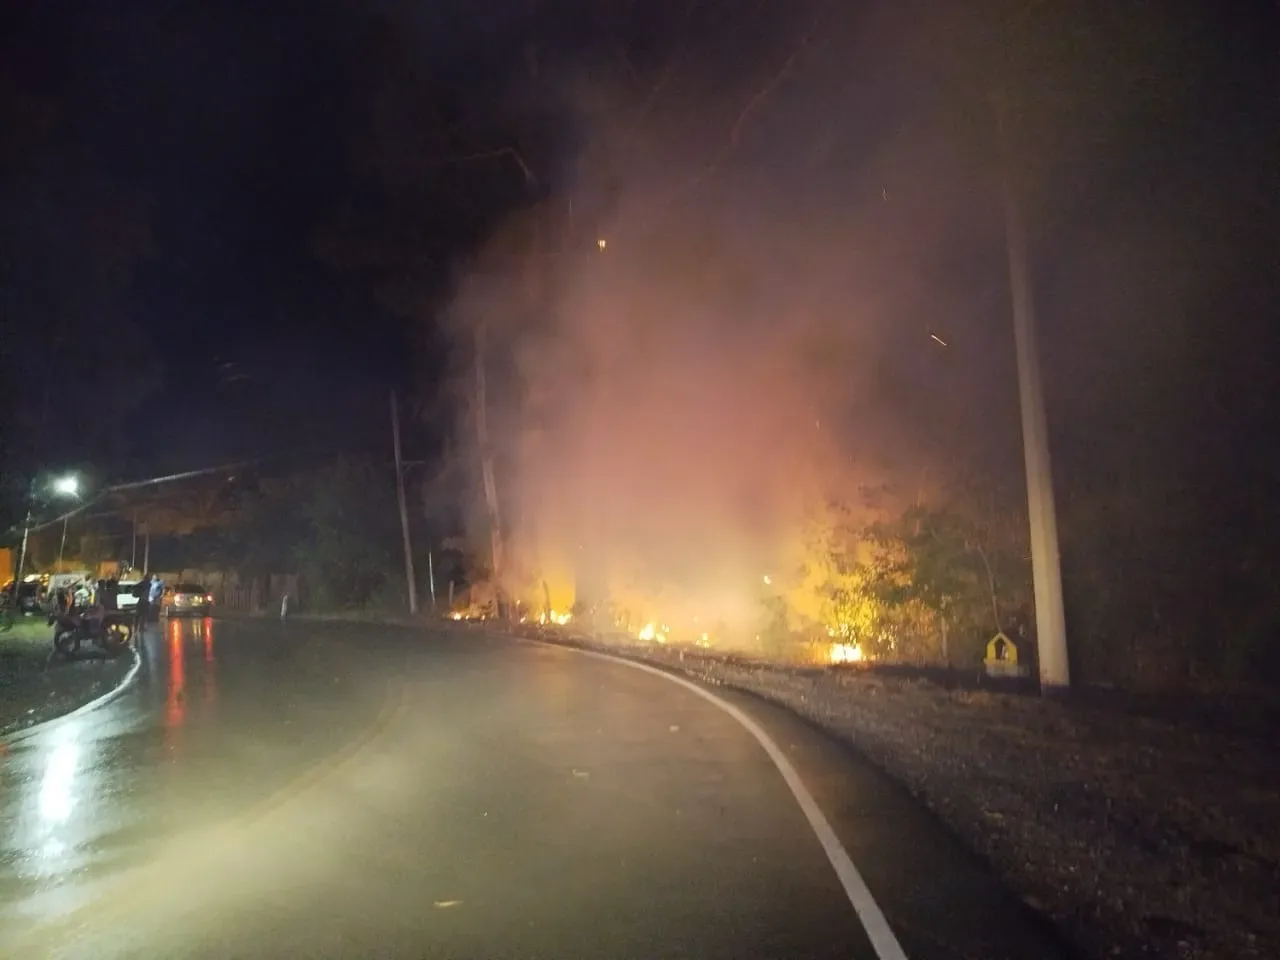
127, 596
186, 599
31, 593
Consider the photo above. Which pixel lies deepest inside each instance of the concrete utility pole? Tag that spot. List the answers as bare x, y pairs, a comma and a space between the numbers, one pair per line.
1046, 568
404, 510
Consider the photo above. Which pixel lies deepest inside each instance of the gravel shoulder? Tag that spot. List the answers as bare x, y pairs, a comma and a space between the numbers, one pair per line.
1140, 833
35, 687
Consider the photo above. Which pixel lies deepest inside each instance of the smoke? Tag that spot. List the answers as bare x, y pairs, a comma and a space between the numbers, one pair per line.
769, 276
685, 364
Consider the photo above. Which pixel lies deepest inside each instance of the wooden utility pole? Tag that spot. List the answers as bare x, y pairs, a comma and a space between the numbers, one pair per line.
404, 509
486, 461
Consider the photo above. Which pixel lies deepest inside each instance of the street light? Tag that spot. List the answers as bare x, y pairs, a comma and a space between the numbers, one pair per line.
65, 486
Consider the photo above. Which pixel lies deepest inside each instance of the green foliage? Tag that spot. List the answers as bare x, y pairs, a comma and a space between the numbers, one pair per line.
336, 527
839, 591
349, 552
267, 526
958, 563
891, 587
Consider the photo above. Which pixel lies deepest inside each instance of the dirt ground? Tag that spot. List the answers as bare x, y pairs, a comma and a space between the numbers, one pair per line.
35, 688
1141, 832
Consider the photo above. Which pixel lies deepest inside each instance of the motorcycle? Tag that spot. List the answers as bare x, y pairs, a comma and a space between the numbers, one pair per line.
108, 631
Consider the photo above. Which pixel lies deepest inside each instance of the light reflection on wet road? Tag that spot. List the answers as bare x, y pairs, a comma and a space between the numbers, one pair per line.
341, 790
90, 796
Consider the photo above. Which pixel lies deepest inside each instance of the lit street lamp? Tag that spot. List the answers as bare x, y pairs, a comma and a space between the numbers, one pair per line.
66, 486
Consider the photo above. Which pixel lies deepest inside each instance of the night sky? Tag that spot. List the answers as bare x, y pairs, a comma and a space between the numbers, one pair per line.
245, 129
271, 150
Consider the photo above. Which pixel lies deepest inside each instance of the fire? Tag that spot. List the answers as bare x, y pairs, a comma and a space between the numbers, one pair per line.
555, 617
653, 632
846, 653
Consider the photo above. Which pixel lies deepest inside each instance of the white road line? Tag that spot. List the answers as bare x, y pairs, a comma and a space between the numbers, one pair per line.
873, 921
36, 729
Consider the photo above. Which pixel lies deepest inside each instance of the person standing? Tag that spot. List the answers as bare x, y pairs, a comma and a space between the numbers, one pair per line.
142, 609
155, 595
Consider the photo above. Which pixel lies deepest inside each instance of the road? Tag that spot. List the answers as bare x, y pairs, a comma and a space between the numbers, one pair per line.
330, 790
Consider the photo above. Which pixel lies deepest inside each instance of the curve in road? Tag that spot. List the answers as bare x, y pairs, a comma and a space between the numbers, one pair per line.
339, 790
864, 904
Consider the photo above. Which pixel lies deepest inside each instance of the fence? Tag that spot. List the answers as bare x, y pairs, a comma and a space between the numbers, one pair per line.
254, 595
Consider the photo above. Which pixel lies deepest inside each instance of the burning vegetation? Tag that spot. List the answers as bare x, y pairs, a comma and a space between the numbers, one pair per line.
687, 419
655, 453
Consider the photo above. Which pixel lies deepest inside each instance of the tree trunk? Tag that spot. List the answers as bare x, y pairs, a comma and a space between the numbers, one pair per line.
991, 584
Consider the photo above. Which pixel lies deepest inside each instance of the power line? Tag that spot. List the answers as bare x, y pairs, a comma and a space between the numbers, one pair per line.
110, 491
139, 484
154, 481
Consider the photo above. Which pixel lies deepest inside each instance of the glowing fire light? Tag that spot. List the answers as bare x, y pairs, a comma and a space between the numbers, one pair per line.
652, 632
846, 653
559, 619
455, 615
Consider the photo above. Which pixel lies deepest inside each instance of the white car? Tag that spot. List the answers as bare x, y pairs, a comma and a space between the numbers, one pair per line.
127, 598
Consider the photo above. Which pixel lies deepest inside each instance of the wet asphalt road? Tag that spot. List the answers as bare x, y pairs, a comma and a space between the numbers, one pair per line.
326, 790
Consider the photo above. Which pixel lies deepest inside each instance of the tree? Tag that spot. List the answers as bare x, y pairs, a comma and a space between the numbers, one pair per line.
349, 556
268, 527
964, 565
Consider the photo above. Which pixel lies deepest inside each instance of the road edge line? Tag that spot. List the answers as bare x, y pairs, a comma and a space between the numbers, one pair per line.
100, 912
100, 701
872, 918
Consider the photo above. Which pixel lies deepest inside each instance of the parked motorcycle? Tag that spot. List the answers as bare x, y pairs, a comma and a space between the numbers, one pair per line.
108, 631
